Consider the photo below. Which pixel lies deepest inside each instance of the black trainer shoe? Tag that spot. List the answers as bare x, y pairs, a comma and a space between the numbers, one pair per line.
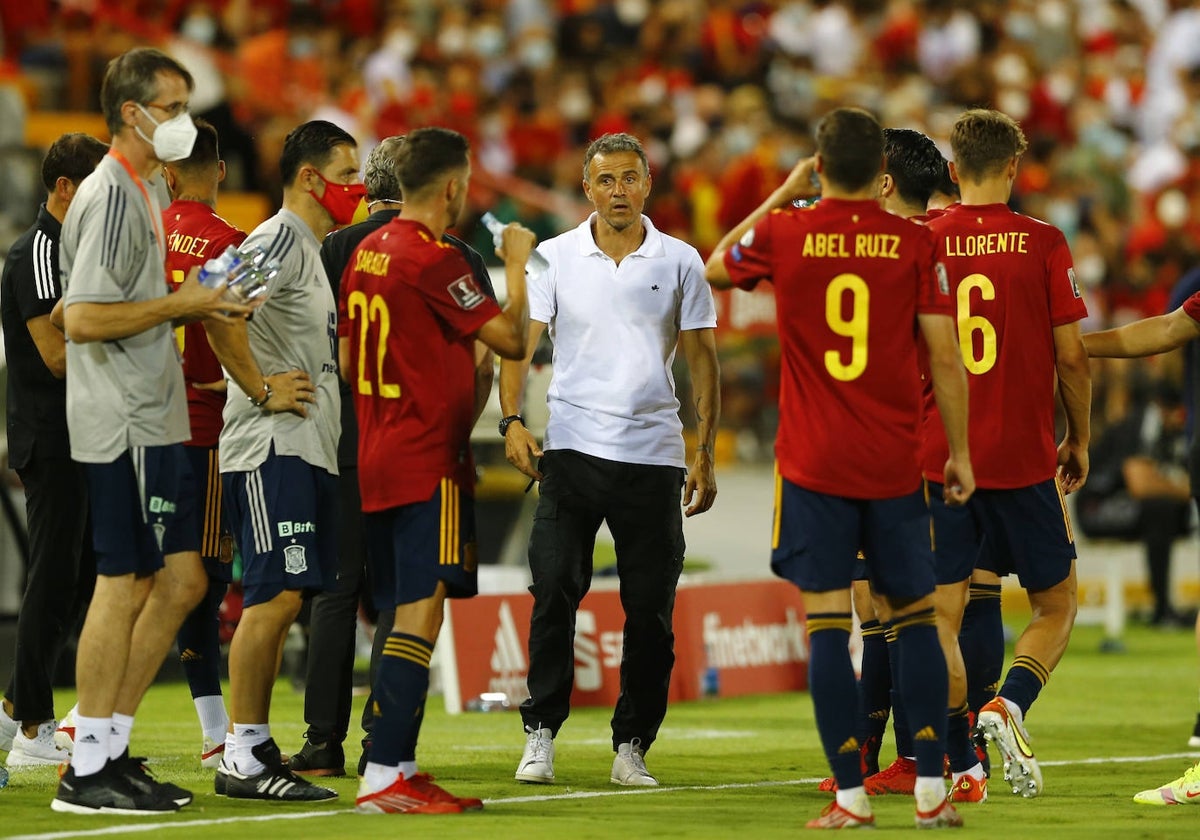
135, 772
105, 792
365, 757
276, 782
319, 759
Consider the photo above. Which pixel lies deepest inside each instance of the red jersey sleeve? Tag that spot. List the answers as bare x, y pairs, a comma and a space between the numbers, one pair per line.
1066, 300
933, 290
449, 286
1191, 307
749, 260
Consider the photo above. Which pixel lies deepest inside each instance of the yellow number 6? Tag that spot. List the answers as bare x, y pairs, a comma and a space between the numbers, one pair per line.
969, 324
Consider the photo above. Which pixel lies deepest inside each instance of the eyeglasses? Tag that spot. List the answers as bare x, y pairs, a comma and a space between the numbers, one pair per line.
173, 110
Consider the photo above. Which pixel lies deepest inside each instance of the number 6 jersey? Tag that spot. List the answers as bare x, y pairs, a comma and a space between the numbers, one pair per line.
409, 307
850, 280
1012, 281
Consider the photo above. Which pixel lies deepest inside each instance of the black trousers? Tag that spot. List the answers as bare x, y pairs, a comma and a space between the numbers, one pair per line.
332, 628
1162, 522
641, 505
59, 583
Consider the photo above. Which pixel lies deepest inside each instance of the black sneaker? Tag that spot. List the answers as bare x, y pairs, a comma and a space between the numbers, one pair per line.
365, 757
105, 792
321, 759
134, 771
276, 782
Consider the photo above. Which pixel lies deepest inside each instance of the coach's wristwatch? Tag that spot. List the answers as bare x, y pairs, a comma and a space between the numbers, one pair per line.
508, 421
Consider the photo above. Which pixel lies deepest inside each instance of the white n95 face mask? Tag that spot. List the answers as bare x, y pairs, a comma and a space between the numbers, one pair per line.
173, 138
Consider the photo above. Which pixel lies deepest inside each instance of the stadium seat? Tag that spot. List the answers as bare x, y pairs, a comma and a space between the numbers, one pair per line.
44, 127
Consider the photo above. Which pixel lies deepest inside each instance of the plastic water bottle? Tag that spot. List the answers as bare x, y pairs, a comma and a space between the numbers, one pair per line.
536, 264
710, 677
216, 270
3, 777
246, 273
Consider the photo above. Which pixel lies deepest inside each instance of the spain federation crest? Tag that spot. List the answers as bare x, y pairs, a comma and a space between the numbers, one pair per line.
294, 561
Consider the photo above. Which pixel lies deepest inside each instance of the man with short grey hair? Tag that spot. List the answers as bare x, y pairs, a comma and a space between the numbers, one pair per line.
127, 417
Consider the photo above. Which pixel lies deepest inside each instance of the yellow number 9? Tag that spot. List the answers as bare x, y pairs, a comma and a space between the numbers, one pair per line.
855, 328
969, 324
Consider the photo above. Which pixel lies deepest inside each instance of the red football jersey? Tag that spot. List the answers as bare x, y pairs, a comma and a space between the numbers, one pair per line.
1191, 307
195, 234
1012, 279
410, 308
850, 279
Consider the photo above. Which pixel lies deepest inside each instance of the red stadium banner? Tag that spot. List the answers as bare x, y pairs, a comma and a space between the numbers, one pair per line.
730, 639
749, 314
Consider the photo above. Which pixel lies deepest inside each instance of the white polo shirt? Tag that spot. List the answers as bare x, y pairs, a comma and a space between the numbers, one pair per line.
615, 329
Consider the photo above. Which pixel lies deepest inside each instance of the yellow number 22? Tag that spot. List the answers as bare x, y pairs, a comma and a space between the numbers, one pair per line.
370, 311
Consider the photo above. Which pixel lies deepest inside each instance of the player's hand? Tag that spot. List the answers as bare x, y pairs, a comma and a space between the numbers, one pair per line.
701, 484
516, 243
959, 481
193, 302
1073, 465
799, 181
291, 390
522, 450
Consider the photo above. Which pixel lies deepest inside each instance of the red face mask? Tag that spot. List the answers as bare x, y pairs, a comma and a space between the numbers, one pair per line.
341, 200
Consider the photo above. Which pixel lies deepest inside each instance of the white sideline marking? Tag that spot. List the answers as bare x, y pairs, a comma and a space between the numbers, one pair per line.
509, 800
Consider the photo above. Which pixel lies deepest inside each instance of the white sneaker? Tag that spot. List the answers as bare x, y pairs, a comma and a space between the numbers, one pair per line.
211, 753
64, 736
38, 750
537, 763
629, 766
8, 729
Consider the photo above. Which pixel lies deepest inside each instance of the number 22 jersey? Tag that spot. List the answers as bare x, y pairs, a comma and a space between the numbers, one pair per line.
850, 280
409, 308
1012, 280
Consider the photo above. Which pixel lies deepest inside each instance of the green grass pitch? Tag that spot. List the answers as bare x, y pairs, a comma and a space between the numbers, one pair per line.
1106, 726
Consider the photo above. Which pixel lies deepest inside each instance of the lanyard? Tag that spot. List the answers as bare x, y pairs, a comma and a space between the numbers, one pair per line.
160, 233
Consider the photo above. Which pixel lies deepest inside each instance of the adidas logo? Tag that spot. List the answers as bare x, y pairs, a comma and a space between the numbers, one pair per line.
879, 714
926, 734
508, 663
89, 739
851, 746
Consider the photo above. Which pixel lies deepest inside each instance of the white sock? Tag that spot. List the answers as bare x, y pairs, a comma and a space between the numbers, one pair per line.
376, 777
975, 773
930, 792
122, 726
408, 769
247, 736
91, 744
214, 722
855, 801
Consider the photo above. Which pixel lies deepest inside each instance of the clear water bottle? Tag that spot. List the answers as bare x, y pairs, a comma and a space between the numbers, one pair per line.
536, 264
3, 777
216, 270
246, 273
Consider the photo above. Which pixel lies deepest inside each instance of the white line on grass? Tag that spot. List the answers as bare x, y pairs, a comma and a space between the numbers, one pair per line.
513, 800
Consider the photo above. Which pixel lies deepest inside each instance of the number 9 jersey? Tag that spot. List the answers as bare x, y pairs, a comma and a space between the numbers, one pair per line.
850, 280
1012, 281
409, 308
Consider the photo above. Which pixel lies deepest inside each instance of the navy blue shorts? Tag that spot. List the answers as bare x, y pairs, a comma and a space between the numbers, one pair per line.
143, 507
284, 516
216, 542
817, 539
412, 547
957, 536
1027, 531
